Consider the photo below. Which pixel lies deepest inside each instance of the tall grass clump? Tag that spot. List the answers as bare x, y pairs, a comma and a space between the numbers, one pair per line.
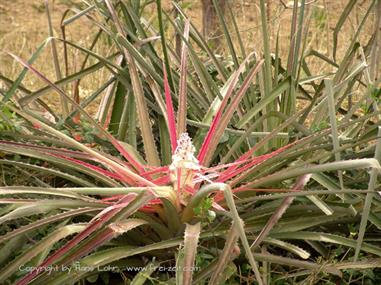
196, 168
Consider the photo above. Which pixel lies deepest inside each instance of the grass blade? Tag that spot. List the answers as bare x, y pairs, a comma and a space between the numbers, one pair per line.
65, 107
343, 17
369, 197
332, 116
20, 78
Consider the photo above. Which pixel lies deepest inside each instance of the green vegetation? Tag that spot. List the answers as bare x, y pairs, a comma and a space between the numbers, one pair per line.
196, 168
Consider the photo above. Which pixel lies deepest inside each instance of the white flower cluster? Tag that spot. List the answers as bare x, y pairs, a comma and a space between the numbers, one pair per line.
184, 154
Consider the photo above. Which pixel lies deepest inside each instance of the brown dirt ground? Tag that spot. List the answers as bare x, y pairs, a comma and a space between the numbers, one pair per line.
23, 26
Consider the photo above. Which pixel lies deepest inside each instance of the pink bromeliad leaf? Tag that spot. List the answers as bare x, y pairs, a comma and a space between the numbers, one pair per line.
171, 113
95, 224
102, 131
225, 113
234, 169
208, 138
156, 170
165, 180
94, 167
127, 156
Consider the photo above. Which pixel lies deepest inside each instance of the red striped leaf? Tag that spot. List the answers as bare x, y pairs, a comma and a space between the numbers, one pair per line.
171, 113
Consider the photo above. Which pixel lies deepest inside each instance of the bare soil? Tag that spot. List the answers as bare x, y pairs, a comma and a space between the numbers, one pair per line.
24, 26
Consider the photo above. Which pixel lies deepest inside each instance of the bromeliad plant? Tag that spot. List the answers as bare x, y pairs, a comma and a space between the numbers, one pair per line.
148, 186
89, 193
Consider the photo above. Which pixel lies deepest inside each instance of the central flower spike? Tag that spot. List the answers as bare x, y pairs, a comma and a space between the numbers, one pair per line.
184, 167
184, 154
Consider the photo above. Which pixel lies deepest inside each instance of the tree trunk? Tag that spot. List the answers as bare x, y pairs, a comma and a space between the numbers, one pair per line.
211, 28
177, 35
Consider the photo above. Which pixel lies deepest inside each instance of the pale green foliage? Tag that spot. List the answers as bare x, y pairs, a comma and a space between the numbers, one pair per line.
57, 165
